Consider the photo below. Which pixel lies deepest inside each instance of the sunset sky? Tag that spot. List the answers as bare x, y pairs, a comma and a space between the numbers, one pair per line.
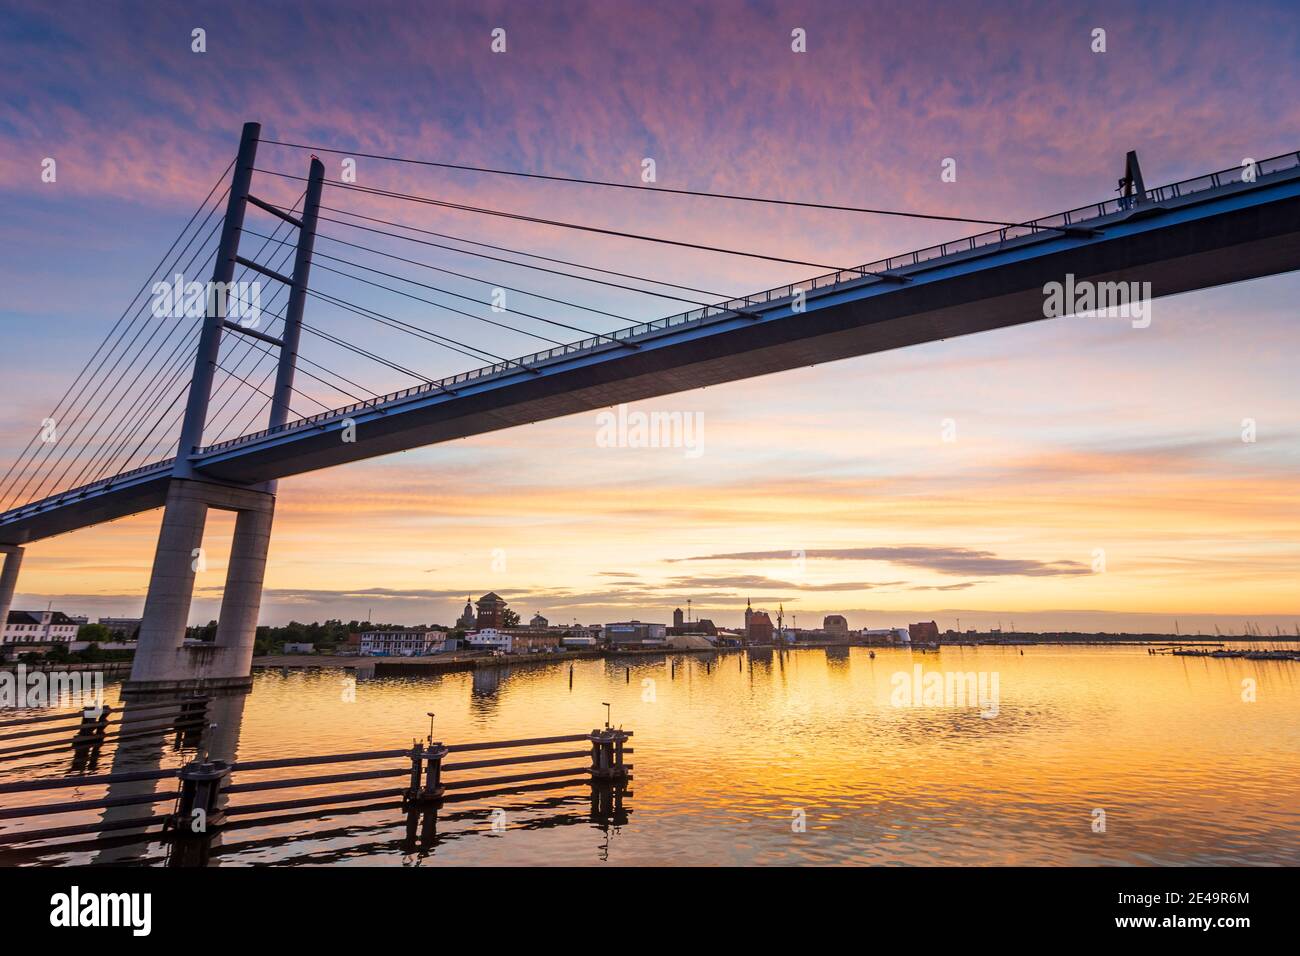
1098, 479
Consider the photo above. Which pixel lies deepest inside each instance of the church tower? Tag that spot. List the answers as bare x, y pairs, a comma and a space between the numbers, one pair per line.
467, 621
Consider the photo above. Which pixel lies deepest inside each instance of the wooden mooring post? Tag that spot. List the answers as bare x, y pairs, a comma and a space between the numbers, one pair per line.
426, 763
198, 808
607, 755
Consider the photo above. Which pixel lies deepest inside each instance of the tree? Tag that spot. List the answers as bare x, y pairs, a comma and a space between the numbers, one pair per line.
509, 618
94, 632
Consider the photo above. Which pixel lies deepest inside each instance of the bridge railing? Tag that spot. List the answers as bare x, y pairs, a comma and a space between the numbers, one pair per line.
52, 501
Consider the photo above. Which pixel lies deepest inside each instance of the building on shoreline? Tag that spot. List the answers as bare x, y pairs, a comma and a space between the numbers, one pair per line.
835, 624
515, 640
467, 621
926, 632
758, 626
491, 611
39, 627
409, 642
635, 634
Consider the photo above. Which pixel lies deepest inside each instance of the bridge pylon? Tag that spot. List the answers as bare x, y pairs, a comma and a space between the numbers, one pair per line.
13, 560
164, 661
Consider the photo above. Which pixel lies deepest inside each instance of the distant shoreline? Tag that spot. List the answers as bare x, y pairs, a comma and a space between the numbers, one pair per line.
463, 662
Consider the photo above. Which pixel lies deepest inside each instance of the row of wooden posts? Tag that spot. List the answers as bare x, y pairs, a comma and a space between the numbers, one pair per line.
99, 725
203, 783
201, 805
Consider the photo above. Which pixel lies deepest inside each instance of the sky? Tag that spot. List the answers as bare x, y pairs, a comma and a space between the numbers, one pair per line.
1075, 473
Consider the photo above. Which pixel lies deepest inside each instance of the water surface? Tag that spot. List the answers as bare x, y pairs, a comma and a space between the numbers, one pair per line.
793, 758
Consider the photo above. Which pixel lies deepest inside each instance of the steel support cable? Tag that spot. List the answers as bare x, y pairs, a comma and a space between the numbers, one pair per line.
176, 417
413, 330
243, 430
311, 398
271, 371
580, 227
518, 252
71, 441
242, 357
252, 418
330, 338
530, 255
219, 437
76, 482
363, 352
428, 301
439, 305
460, 275
342, 378
16, 493
166, 432
109, 453
176, 362
147, 284
239, 359
78, 416
178, 410
141, 419
805, 204
256, 389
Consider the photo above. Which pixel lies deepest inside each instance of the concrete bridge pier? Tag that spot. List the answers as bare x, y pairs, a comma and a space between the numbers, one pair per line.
13, 560
164, 663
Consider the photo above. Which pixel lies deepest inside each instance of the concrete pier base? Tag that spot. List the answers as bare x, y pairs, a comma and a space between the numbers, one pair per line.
13, 559
164, 662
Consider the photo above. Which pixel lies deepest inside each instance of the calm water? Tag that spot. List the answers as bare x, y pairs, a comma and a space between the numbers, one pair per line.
735, 749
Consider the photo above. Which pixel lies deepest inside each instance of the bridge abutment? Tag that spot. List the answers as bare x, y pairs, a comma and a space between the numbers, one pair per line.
164, 662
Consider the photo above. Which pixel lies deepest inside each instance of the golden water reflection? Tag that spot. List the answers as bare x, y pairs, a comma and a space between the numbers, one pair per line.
803, 757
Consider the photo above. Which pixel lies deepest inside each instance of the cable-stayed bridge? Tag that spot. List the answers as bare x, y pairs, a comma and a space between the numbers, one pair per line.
168, 410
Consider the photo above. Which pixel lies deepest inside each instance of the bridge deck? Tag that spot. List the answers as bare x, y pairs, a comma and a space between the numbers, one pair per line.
1195, 234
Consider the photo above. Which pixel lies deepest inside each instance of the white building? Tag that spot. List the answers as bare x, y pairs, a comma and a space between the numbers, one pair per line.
490, 639
39, 627
413, 643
